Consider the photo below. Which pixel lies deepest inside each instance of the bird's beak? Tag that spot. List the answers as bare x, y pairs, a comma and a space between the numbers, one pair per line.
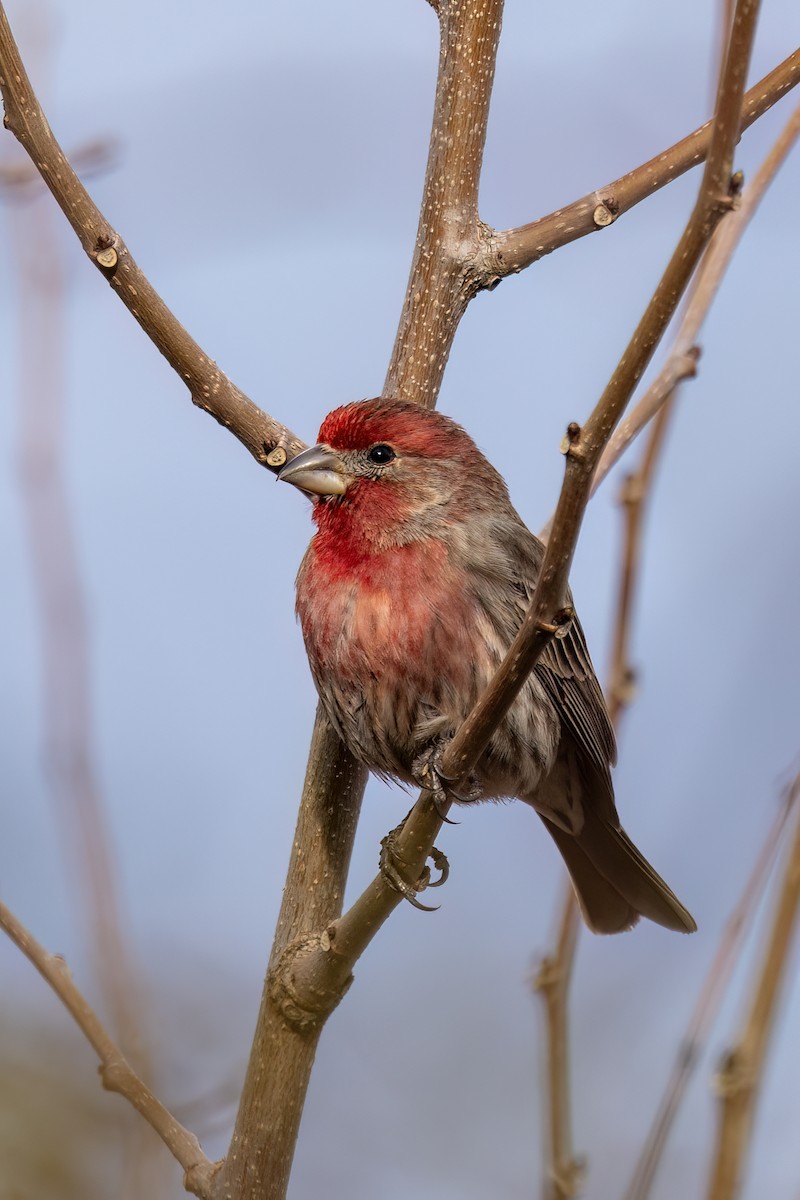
318, 470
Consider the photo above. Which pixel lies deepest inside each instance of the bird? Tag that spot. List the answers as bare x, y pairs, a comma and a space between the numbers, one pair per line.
409, 595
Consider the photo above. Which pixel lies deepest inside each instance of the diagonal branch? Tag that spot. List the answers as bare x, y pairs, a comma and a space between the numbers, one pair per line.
512, 250
115, 1071
268, 441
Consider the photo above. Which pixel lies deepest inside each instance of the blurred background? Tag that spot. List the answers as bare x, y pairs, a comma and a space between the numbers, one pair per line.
264, 165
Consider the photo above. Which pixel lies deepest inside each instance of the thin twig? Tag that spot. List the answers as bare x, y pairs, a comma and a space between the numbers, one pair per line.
709, 1000
635, 490
741, 1072
116, 1073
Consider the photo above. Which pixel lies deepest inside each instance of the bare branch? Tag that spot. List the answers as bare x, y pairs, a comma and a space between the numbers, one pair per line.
116, 1073
740, 1075
635, 490
565, 1172
331, 961
512, 250
268, 441
449, 235
259, 1159
68, 742
709, 1000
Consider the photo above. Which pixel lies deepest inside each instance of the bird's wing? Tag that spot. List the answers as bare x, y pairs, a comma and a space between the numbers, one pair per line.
565, 667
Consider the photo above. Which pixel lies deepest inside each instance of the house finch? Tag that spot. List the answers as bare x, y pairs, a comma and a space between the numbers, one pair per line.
409, 596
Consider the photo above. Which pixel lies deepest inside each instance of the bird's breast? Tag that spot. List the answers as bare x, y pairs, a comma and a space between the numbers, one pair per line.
389, 615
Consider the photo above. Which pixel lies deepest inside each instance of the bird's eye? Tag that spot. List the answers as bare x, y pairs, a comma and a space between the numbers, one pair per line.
381, 454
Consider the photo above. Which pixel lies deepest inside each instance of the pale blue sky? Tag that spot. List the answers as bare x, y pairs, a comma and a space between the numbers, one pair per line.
268, 181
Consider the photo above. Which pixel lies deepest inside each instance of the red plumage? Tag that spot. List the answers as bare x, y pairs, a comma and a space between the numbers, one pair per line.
409, 596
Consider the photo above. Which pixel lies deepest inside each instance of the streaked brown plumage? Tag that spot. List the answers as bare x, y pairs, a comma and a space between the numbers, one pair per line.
409, 596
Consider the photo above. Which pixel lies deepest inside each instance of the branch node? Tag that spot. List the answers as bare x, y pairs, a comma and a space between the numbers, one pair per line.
115, 1074
107, 260
734, 1076
199, 1177
570, 443
304, 1005
736, 184
548, 976
276, 457
603, 215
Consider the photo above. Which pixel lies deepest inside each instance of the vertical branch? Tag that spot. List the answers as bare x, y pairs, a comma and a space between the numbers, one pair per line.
564, 1172
449, 233
259, 1159
740, 1076
68, 742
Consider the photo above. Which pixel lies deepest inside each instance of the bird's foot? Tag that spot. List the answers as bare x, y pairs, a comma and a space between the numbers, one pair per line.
428, 774
391, 866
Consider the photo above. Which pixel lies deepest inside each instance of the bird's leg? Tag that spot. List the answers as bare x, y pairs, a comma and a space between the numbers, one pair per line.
427, 771
391, 865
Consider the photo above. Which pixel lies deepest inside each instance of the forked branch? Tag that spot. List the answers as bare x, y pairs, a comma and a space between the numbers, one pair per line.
346, 938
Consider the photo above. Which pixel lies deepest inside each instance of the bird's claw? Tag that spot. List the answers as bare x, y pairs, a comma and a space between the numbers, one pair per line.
390, 869
428, 774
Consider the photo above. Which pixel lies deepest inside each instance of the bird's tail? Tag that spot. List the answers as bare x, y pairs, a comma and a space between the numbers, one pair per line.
615, 884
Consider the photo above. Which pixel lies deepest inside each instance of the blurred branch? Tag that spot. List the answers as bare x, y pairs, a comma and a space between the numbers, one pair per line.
709, 1000
564, 1172
742, 1069
512, 250
116, 1073
69, 758
635, 490
268, 441
92, 158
